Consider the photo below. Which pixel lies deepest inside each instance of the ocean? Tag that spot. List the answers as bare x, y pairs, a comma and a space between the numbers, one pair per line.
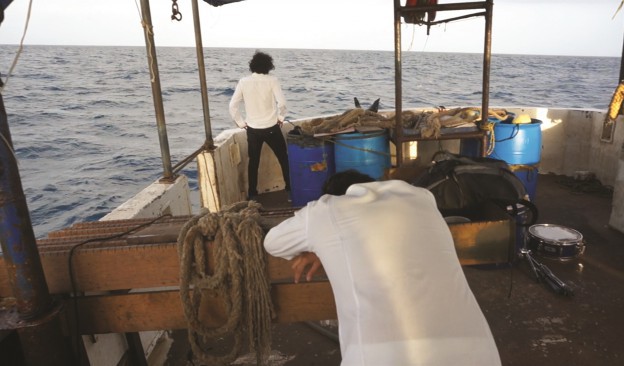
83, 124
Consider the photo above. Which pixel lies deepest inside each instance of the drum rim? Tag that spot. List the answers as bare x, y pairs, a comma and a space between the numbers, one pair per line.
577, 241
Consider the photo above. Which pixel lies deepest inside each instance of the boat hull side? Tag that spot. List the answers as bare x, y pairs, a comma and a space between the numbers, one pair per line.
155, 200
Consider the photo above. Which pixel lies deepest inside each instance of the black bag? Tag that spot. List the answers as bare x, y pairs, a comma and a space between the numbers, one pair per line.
462, 185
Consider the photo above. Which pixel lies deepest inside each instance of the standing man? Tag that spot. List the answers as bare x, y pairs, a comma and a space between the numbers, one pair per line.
265, 110
401, 295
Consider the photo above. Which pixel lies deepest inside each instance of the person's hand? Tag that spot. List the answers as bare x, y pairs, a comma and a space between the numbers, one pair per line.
244, 127
280, 123
301, 262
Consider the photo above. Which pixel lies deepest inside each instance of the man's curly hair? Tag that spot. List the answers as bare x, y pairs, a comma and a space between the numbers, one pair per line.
261, 63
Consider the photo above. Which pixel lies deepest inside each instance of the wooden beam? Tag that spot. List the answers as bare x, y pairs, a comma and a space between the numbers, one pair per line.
134, 312
121, 268
136, 279
157, 265
149, 258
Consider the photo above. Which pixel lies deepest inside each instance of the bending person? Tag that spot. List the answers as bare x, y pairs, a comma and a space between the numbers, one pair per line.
401, 295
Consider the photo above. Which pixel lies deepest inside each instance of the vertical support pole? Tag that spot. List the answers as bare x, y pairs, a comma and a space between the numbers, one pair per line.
39, 326
398, 87
156, 90
622, 65
202, 75
487, 57
621, 112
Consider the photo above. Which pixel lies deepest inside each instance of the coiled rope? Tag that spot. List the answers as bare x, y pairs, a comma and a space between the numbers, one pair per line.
239, 279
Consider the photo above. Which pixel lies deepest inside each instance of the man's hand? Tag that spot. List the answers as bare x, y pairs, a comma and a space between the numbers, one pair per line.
302, 261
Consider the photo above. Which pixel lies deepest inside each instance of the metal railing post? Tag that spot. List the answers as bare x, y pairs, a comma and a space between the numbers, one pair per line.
398, 87
487, 58
156, 90
202, 75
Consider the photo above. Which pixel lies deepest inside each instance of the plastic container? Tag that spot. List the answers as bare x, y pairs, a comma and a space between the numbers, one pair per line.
368, 153
518, 143
311, 162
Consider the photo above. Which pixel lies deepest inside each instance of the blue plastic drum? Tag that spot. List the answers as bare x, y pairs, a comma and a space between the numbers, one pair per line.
311, 162
368, 153
518, 143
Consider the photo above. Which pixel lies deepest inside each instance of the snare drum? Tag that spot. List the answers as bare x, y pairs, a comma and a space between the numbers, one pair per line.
555, 241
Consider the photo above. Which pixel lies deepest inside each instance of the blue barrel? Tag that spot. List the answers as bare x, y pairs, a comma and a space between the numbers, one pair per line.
518, 143
368, 153
528, 174
311, 162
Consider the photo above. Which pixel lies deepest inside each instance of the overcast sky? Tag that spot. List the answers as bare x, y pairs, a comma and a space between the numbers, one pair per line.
547, 27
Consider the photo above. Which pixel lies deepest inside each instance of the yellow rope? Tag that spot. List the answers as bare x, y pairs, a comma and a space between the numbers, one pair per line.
489, 127
616, 102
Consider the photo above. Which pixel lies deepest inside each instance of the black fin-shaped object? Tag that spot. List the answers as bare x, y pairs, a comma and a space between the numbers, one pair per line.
357, 102
375, 106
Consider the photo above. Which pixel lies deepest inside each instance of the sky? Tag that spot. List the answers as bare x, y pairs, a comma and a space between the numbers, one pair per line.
539, 27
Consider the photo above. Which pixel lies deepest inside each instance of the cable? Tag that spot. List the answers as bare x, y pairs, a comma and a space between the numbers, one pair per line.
19, 49
325, 332
73, 279
6, 142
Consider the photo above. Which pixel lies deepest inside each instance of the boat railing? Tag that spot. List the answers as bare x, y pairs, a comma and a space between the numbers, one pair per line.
146, 18
402, 11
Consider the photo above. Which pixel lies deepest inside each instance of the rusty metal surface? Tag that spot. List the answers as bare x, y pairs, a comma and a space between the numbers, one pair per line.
10, 319
33, 313
40, 337
17, 239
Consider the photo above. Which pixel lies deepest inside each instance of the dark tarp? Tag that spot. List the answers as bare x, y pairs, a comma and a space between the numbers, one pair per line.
3, 5
221, 2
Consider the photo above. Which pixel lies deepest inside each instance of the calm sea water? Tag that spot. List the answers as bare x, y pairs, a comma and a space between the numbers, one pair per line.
83, 126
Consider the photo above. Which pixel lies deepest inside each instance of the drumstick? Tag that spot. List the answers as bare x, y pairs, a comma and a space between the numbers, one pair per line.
551, 280
535, 271
563, 287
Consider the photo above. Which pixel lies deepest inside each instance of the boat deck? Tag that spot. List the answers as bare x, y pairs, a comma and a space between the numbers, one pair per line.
531, 324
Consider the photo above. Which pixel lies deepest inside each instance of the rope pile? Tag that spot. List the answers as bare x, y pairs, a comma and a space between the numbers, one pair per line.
429, 123
590, 185
239, 280
352, 118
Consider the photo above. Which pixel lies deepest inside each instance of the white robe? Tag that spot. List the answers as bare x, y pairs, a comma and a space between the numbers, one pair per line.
401, 295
